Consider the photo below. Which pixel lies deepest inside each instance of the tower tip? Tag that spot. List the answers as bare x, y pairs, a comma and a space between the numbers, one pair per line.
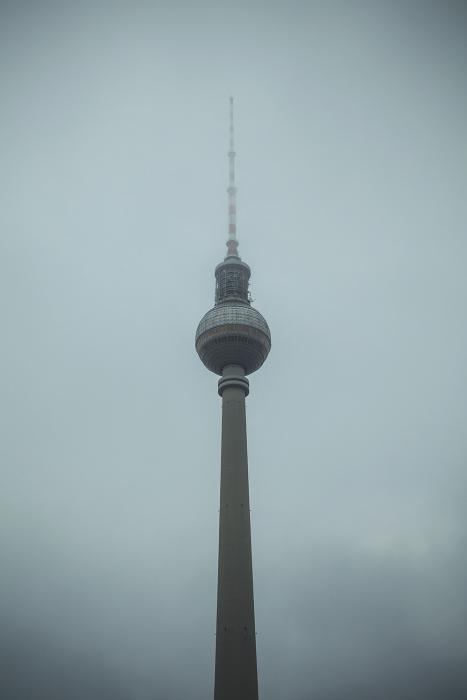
232, 242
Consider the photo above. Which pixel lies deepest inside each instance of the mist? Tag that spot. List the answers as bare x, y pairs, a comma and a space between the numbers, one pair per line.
351, 168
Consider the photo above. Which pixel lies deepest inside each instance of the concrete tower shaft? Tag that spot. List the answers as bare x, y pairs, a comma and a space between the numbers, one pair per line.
236, 673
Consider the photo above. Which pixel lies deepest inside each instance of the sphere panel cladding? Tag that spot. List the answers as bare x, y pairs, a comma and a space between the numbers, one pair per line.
233, 334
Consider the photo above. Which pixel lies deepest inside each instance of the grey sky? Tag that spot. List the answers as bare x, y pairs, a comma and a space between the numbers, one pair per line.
351, 166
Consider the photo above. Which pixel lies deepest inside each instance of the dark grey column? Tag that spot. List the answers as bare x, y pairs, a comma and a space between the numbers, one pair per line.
236, 673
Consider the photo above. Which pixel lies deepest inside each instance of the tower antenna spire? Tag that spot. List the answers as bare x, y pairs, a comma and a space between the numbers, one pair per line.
232, 242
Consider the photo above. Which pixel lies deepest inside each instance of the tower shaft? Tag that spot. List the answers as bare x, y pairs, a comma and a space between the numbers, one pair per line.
236, 672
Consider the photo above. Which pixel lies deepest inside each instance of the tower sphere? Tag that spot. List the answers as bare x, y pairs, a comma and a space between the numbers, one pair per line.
233, 333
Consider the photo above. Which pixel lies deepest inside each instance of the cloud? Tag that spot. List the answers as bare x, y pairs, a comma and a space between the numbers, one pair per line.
351, 213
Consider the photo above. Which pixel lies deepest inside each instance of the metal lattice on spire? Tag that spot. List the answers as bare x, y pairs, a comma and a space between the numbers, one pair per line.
232, 242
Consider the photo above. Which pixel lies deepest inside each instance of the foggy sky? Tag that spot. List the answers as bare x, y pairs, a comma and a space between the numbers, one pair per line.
351, 167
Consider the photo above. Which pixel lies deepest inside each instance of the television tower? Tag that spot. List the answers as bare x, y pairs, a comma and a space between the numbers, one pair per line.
233, 340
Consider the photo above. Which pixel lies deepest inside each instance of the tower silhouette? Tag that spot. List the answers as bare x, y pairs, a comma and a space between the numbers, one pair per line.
233, 340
